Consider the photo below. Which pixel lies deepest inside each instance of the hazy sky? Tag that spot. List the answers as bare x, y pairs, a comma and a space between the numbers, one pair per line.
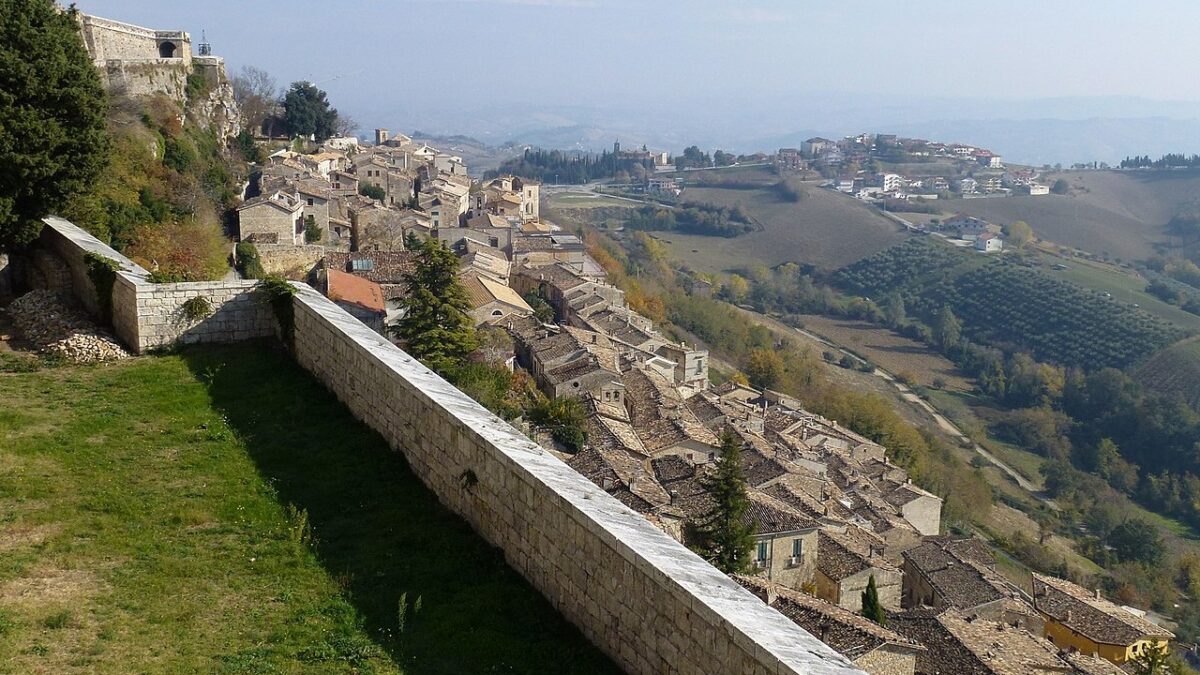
387, 60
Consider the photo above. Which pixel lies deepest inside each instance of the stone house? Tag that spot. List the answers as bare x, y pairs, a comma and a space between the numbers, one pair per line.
541, 250
492, 301
1082, 620
315, 197
844, 570
918, 507
386, 268
873, 648
662, 420
955, 643
275, 218
961, 574
785, 541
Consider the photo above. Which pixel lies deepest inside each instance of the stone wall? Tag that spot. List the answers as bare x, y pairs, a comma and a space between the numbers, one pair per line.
294, 262
651, 604
147, 77
642, 597
147, 316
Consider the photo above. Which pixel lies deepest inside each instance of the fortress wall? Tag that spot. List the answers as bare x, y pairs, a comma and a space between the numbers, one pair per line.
107, 39
647, 601
148, 76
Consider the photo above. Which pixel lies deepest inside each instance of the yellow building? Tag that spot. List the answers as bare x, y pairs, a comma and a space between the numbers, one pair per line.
1083, 621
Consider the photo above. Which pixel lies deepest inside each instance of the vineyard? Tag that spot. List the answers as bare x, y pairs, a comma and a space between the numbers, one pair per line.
1004, 304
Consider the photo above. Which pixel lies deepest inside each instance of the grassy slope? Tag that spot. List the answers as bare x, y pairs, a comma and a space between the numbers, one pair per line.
1175, 369
143, 527
826, 229
1121, 213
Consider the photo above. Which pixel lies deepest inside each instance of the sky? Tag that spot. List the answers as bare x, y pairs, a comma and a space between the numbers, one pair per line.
403, 63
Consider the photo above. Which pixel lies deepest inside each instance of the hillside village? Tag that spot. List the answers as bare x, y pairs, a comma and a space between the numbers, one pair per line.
835, 523
830, 513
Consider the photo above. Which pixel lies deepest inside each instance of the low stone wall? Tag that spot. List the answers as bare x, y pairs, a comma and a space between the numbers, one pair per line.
292, 261
147, 315
650, 603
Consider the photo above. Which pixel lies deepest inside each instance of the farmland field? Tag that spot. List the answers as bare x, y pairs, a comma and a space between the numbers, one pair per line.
1174, 370
825, 228
891, 351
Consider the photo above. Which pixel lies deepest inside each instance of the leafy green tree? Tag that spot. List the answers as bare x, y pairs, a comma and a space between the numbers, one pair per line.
947, 329
564, 418
893, 310
1060, 187
435, 327
1137, 540
726, 538
53, 143
312, 233
306, 112
871, 607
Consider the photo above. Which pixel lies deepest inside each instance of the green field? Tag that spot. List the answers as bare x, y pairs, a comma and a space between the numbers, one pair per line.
1123, 286
1174, 370
219, 511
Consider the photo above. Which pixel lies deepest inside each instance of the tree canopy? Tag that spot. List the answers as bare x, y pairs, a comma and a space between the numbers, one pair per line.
726, 538
436, 327
306, 112
53, 143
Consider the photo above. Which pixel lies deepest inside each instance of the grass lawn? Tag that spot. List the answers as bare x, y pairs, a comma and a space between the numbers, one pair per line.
219, 511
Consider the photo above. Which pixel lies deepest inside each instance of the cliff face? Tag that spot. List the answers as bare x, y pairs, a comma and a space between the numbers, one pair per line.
213, 106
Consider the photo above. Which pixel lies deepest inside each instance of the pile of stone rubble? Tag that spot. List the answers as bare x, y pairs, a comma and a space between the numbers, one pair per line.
56, 328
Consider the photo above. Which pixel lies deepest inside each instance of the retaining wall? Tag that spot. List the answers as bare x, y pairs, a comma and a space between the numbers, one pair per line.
647, 601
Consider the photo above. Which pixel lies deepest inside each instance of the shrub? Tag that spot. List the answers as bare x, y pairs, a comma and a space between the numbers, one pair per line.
102, 272
312, 233
197, 308
372, 191
247, 261
279, 293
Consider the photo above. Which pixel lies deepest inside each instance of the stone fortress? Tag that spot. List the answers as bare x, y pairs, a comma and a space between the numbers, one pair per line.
136, 61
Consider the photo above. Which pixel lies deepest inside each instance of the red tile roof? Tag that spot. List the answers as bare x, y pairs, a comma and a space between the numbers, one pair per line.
345, 287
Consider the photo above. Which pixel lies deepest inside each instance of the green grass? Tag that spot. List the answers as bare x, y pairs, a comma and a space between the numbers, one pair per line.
219, 511
1124, 287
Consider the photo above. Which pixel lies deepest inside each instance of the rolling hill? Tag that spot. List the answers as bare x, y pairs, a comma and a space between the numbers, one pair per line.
1121, 213
826, 229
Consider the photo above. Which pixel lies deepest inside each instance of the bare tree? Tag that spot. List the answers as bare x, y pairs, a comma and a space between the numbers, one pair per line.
346, 125
257, 94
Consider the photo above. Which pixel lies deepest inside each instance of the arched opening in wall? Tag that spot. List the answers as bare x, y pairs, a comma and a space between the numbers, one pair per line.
166, 50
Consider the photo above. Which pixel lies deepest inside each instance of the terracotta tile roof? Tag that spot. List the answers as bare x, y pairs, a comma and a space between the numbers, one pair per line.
955, 644
850, 634
961, 571
614, 470
837, 561
771, 516
659, 415
671, 468
1091, 616
387, 267
345, 287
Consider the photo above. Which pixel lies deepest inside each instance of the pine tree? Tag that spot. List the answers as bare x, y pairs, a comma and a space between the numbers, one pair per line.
435, 327
725, 537
871, 608
53, 139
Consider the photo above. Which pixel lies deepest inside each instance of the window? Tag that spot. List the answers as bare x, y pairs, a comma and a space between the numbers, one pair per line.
761, 555
496, 312
797, 548
310, 201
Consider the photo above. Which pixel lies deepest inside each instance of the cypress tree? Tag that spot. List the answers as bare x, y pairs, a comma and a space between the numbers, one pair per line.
871, 608
436, 327
53, 112
726, 538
